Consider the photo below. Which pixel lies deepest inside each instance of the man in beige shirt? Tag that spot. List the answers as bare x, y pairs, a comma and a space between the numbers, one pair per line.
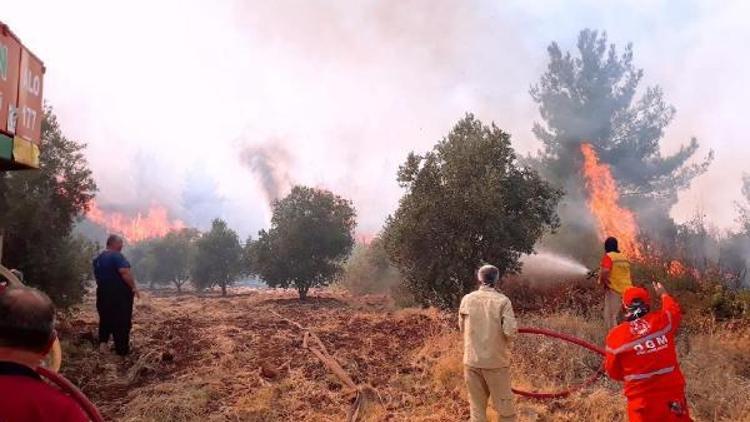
486, 320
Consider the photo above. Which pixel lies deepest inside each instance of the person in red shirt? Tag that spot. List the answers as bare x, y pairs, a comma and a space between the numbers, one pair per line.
27, 318
641, 352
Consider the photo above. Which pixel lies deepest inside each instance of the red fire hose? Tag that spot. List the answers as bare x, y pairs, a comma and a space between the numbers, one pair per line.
67, 387
570, 339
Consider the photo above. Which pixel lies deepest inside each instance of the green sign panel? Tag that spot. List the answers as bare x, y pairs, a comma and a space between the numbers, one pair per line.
6, 147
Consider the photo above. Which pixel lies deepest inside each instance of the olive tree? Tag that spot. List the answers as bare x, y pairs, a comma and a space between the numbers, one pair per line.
218, 258
311, 234
467, 202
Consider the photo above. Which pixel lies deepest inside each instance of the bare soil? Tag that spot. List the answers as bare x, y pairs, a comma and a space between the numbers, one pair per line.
210, 358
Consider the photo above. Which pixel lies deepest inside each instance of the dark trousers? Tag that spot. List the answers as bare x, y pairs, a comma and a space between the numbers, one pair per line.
115, 310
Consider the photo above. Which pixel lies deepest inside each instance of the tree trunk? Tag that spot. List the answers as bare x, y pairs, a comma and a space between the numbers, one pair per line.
302, 293
223, 289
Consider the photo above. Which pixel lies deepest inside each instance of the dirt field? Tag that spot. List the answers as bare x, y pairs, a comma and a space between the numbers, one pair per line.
236, 359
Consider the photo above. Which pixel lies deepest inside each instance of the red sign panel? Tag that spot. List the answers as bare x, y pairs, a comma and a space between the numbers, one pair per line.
10, 60
30, 112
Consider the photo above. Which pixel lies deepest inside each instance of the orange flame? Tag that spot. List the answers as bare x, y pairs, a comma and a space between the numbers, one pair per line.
603, 202
155, 223
676, 268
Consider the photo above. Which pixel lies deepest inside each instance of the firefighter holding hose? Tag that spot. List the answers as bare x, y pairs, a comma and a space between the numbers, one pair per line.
614, 276
488, 324
641, 352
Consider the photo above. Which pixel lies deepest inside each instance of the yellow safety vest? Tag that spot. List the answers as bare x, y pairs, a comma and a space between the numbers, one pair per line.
619, 276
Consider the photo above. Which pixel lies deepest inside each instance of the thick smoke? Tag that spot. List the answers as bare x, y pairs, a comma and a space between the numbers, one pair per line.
144, 185
271, 163
356, 86
200, 199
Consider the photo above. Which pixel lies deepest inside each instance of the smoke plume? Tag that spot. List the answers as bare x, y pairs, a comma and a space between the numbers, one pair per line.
353, 87
271, 163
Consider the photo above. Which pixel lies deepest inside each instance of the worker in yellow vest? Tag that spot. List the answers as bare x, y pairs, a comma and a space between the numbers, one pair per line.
614, 276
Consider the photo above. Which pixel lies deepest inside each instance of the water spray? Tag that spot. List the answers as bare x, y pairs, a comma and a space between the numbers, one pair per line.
551, 267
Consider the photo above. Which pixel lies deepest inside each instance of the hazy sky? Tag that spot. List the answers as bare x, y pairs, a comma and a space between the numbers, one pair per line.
168, 94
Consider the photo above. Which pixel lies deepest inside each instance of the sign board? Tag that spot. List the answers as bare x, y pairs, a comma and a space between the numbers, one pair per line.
21, 104
30, 112
10, 63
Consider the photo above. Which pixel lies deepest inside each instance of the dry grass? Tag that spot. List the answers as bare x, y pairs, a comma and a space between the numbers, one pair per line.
230, 359
716, 365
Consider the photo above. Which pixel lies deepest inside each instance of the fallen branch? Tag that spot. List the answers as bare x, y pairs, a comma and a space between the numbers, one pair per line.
364, 393
334, 367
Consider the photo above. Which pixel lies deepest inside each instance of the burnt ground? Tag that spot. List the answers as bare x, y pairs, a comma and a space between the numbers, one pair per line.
236, 349
210, 358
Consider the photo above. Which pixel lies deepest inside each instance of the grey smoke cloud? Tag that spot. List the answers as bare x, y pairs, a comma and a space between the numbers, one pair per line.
271, 163
352, 87
200, 199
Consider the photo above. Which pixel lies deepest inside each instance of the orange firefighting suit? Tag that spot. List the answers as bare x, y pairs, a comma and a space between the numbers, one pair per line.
642, 353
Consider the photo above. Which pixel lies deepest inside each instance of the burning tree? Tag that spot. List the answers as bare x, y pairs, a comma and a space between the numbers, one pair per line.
604, 203
311, 234
467, 203
591, 98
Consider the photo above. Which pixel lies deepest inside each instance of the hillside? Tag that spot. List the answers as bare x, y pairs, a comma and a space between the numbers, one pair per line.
240, 358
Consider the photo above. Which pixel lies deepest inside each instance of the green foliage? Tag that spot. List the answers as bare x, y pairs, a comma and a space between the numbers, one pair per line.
368, 270
164, 260
38, 210
730, 304
247, 256
591, 97
712, 290
467, 203
142, 261
312, 232
218, 258
174, 253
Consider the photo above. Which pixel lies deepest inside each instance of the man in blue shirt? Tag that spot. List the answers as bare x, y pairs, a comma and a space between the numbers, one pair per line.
115, 289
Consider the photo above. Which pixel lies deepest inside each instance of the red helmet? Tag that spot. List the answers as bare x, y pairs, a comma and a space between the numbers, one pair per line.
633, 293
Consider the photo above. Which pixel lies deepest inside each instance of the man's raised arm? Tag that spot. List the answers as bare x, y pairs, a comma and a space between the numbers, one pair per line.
668, 304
